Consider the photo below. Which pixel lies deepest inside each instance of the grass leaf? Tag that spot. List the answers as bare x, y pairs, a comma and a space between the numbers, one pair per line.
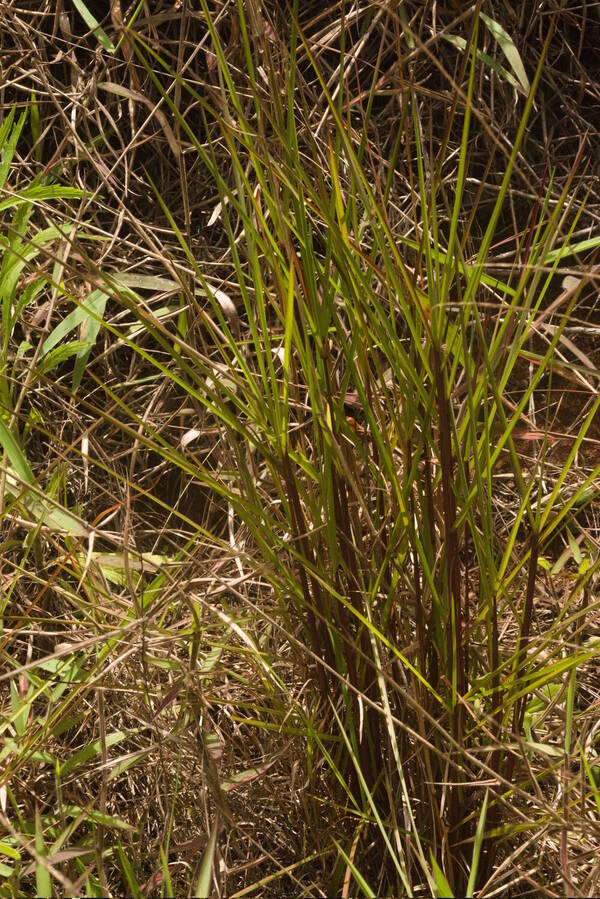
508, 48
94, 26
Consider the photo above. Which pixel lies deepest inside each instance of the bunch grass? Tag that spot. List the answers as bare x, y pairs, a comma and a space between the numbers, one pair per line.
270, 625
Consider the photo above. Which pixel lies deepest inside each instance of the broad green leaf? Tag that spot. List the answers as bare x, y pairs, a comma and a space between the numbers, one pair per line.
493, 64
544, 749
583, 246
92, 749
55, 516
91, 309
443, 889
141, 328
509, 49
61, 353
155, 283
9, 851
211, 659
66, 671
88, 317
37, 193
112, 565
90, 328
202, 889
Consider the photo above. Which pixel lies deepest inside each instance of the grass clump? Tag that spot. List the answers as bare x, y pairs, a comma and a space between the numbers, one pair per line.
300, 461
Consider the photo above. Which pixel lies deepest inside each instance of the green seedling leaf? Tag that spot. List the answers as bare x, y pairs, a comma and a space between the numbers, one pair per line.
89, 331
461, 44
60, 667
204, 882
20, 708
572, 249
22, 350
11, 747
92, 307
155, 283
572, 551
92, 749
477, 846
211, 659
88, 317
94, 26
112, 565
37, 193
9, 851
165, 664
247, 776
357, 875
34, 121
66, 723
164, 863
60, 354
241, 778
43, 880
96, 817
592, 779
66, 671
509, 49
9, 136
129, 874
544, 749
55, 517
442, 887
161, 313
93, 888
15, 456
126, 763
